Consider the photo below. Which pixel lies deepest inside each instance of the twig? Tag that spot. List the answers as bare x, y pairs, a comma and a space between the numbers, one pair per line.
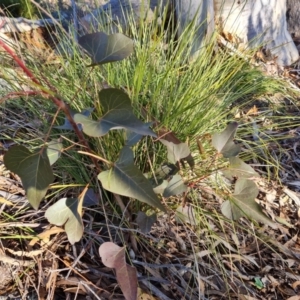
19, 62
19, 224
16, 262
20, 94
56, 100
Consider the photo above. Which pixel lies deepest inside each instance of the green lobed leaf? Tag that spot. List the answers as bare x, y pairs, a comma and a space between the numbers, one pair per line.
159, 189
125, 179
159, 180
67, 212
223, 142
245, 189
34, 170
90, 198
259, 284
243, 203
166, 170
103, 48
162, 176
175, 186
54, 149
176, 152
238, 168
117, 114
132, 138
67, 125
231, 210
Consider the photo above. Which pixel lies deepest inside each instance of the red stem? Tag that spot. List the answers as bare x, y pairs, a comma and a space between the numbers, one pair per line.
18, 94
56, 100
19, 62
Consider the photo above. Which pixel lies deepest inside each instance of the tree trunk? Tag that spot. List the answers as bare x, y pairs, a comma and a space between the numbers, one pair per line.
115, 13
200, 13
258, 22
293, 17
249, 23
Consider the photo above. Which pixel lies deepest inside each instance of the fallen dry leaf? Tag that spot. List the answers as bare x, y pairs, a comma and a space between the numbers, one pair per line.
45, 235
113, 256
252, 111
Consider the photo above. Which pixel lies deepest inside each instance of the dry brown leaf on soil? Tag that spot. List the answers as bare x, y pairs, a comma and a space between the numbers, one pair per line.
296, 284
44, 237
294, 298
114, 257
246, 258
51, 279
252, 111
156, 274
144, 296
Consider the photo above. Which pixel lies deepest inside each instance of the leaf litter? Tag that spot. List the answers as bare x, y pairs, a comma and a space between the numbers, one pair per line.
257, 263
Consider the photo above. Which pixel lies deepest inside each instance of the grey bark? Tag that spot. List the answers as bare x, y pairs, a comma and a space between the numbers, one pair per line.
293, 17
116, 13
252, 22
199, 13
258, 22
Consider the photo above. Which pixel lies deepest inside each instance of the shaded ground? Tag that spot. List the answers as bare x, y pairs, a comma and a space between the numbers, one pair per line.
233, 258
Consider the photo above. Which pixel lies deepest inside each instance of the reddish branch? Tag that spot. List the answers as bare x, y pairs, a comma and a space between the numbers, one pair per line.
13, 95
55, 99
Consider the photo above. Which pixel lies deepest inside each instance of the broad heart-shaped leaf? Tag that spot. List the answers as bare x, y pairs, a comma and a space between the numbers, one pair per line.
113, 256
145, 222
160, 181
103, 48
159, 189
175, 186
243, 203
90, 198
117, 114
132, 138
125, 179
223, 142
237, 168
34, 170
67, 212
176, 152
166, 170
67, 125
54, 149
